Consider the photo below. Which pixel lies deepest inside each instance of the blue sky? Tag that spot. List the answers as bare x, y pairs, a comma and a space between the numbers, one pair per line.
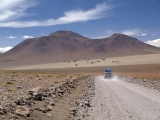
23, 19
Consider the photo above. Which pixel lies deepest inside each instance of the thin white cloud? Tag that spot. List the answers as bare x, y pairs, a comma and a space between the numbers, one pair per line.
153, 34
26, 37
14, 9
110, 32
155, 42
11, 37
131, 32
3, 50
143, 34
72, 16
99, 37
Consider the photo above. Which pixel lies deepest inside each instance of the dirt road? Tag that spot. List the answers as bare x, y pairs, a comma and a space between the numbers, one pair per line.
119, 100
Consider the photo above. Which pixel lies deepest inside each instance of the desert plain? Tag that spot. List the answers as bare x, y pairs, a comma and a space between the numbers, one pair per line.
17, 82
136, 66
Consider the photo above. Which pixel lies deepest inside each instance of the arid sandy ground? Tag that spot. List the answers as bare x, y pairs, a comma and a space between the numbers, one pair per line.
18, 80
115, 61
14, 86
136, 66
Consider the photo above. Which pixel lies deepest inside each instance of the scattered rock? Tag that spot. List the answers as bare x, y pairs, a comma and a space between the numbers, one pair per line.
51, 103
49, 115
146, 82
34, 90
38, 100
22, 110
49, 107
87, 103
2, 111
35, 94
82, 105
48, 100
45, 109
73, 111
19, 87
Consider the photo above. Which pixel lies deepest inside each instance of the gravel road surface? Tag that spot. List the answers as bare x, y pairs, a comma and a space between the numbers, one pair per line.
119, 100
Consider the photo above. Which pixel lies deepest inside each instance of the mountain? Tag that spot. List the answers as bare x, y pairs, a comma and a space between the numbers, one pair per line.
67, 45
119, 43
70, 34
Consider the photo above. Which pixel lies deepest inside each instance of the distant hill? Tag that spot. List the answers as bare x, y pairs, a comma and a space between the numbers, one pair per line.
120, 44
67, 45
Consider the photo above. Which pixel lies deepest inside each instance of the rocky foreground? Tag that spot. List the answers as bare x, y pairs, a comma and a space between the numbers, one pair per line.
83, 103
45, 102
49, 96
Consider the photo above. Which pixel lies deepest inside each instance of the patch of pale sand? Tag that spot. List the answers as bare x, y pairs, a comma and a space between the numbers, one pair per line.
125, 60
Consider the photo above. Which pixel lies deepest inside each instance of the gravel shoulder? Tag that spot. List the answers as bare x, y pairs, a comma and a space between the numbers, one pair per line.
118, 100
